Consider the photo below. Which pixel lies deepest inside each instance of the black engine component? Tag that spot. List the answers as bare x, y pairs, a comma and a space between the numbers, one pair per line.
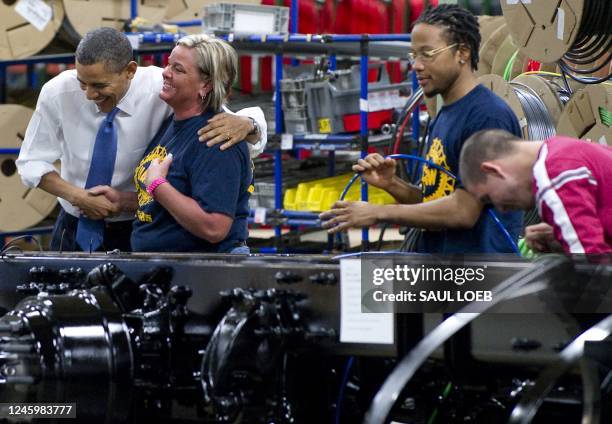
130, 345
127, 338
143, 349
243, 358
54, 347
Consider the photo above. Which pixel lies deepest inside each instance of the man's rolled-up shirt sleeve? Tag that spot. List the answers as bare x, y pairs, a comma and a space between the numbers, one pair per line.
41, 146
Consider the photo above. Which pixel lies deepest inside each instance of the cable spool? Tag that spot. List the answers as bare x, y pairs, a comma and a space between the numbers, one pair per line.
530, 110
489, 48
488, 24
539, 124
574, 32
20, 207
85, 15
552, 94
19, 38
496, 84
509, 61
588, 115
499, 53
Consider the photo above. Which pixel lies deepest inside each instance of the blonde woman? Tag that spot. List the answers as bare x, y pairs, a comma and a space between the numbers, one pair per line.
191, 197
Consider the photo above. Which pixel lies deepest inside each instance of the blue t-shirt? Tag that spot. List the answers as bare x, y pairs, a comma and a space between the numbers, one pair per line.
480, 109
218, 180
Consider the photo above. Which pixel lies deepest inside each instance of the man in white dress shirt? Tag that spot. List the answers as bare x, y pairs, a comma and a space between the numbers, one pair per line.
70, 110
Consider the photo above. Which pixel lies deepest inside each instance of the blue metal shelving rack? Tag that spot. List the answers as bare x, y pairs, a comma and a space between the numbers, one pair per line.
331, 141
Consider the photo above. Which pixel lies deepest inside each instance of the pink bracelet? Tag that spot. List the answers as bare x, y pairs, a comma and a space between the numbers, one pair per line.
156, 183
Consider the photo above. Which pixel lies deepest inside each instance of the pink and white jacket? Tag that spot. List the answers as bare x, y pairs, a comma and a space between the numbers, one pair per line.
573, 190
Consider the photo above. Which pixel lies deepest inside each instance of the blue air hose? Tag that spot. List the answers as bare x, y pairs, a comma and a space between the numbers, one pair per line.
431, 164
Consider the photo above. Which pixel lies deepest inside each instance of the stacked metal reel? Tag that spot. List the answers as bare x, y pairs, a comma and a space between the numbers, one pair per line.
577, 35
20, 206
572, 40
525, 99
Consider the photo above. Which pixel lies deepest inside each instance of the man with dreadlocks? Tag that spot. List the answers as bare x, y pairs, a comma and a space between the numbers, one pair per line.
445, 42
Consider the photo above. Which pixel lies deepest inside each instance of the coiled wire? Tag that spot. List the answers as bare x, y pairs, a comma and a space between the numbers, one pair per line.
539, 124
594, 40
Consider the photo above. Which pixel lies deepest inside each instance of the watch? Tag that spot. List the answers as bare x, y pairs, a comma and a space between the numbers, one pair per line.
255, 129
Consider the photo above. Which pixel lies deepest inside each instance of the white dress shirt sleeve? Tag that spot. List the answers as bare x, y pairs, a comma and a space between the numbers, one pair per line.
41, 146
257, 114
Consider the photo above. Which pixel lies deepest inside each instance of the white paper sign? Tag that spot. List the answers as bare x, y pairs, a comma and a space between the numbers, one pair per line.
134, 40
560, 23
260, 216
355, 326
363, 105
36, 12
286, 141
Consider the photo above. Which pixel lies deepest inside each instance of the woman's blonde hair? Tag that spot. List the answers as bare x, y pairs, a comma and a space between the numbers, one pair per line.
217, 62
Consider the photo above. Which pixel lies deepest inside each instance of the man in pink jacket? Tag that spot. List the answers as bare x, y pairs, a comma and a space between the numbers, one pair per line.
569, 180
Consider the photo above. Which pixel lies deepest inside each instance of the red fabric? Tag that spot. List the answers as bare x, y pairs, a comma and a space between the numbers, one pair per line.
246, 70
361, 17
343, 20
377, 18
308, 16
397, 16
395, 72
327, 17
417, 7
573, 193
265, 73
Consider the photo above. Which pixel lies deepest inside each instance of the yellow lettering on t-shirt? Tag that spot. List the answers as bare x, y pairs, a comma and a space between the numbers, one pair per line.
143, 217
144, 198
436, 184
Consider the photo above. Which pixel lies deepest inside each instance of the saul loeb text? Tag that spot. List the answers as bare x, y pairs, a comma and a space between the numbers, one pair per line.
391, 286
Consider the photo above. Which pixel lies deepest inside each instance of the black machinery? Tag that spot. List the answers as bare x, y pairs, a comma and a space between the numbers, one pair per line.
187, 338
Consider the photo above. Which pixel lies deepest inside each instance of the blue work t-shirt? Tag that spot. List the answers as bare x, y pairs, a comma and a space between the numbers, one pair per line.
218, 180
480, 109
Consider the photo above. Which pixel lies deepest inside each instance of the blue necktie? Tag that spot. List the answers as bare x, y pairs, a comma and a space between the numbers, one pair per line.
90, 233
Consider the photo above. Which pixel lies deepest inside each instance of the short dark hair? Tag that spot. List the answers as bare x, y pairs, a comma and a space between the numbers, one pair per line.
461, 27
105, 45
480, 147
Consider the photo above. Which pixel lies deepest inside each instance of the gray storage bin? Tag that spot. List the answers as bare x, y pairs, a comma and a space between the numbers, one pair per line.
245, 19
328, 101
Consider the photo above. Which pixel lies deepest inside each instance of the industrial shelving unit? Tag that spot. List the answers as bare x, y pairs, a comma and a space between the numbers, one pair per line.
350, 45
